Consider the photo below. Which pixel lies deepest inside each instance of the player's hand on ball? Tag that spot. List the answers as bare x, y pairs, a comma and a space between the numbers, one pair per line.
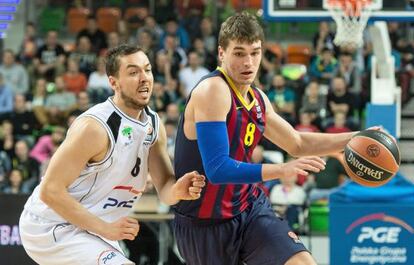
123, 228
189, 186
303, 165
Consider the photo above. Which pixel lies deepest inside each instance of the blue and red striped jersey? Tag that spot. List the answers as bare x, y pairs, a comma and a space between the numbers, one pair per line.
245, 127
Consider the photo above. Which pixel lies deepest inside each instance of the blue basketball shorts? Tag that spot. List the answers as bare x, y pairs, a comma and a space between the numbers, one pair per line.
256, 236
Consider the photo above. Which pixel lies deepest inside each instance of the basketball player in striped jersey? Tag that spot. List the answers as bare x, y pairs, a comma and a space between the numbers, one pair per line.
80, 209
225, 117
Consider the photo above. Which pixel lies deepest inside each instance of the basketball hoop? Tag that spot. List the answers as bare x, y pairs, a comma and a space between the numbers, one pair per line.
351, 17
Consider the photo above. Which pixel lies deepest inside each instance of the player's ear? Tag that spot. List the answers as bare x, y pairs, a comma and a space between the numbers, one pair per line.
220, 53
113, 81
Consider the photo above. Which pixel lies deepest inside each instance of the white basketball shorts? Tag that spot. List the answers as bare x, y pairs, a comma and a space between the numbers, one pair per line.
65, 244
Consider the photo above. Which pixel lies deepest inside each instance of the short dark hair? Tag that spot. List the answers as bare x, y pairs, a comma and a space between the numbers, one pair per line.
242, 27
112, 58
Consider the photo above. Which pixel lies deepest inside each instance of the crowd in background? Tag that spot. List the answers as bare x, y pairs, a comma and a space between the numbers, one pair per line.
47, 84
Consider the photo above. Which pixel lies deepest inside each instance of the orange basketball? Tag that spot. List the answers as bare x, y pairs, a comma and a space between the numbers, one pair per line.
371, 158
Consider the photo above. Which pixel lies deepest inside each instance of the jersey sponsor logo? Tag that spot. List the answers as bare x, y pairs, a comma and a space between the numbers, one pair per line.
127, 132
259, 111
112, 202
106, 256
295, 238
149, 136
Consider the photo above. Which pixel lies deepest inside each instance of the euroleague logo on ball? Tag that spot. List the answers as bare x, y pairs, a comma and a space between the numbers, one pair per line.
373, 150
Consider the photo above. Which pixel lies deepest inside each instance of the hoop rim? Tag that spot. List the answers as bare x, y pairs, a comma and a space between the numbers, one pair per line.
356, 4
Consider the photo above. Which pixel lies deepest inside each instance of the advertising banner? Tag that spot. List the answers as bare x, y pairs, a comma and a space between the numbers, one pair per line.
371, 233
11, 249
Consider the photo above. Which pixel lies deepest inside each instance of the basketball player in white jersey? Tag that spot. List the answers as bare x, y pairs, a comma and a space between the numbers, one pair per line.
80, 209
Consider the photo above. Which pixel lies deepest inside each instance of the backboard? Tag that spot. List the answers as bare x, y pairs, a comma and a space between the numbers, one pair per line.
312, 10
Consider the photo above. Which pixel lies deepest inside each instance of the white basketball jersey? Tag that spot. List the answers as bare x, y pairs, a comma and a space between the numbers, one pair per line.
109, 188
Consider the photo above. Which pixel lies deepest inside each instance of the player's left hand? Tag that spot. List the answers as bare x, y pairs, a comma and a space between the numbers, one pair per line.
189, 186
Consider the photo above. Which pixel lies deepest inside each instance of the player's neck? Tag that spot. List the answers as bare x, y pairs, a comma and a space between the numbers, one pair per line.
134, 113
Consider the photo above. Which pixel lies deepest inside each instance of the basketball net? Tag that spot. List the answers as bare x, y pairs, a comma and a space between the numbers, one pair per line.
351, 17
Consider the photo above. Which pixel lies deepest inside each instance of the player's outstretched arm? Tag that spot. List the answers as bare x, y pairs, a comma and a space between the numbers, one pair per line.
170, 190
210, 103
86, 141
297, 144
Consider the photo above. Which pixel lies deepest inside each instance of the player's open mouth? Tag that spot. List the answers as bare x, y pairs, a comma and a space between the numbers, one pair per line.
247, 73
143, 90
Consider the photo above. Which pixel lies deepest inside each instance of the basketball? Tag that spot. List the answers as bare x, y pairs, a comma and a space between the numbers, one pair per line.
371, 158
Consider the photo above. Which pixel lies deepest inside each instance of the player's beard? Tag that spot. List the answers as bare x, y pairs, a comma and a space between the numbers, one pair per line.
132, 103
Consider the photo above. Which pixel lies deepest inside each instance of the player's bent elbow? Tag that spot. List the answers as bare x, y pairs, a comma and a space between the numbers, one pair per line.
48, 193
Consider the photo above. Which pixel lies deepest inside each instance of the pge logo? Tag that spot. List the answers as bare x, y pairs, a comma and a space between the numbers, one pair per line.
112, 202
381, 234
106, 257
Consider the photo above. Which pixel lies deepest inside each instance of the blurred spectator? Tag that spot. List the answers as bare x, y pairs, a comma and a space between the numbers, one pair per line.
84, 56
47, 144
82, 104
162, 69
347, 68
6, 97
287, 192
50, 58
323, 38
340, 100
282, 98
175, 54
173, 112
271, 63
305, 122
159, 98
339, 125
39, 93
31, 42
171, 131
23, 119
137, 20
99, 88
146, 42
259, 158
5, 168
59, 103
113, 40
15, 75
323, 66
207, 58
75, 81
153, 28
15, 183
174, 92
325, 181
189, 76
27, 165
394, 31
96, 36
208, 35
314, 100
288, 199
7, 139
173, 29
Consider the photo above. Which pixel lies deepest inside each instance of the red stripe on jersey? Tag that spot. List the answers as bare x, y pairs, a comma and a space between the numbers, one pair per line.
209, 198
226, 203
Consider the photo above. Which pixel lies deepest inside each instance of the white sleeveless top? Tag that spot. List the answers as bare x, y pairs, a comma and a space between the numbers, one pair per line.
109, 188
